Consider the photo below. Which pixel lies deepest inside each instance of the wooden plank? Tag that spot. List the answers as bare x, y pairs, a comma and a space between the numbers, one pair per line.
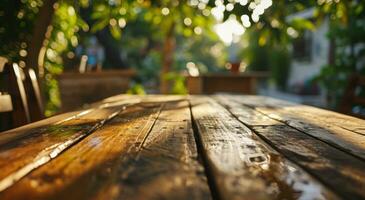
244, 167
22, 131
120, 101
56, 175
134, 156
117, 99
133, 99
331, 166
313, 121
43, 144
167, 167
332, 118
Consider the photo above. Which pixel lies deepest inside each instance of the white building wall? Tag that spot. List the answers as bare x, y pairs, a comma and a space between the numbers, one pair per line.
304, 70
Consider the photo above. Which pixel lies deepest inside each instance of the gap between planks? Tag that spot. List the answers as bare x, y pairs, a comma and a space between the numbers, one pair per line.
212, 183
235, 158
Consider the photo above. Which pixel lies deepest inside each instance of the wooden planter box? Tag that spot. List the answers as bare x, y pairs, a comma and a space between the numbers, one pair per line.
78, 89
245, 83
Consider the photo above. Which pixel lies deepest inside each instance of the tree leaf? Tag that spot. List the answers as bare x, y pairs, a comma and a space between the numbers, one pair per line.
100, 25
116, 32
301, 24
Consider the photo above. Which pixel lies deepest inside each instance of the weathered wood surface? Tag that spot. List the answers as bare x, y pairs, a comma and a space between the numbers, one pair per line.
178, 147
115, 101
167, 166
43, 144
241, 165
33, 145
143, 153
342, 172
333, 128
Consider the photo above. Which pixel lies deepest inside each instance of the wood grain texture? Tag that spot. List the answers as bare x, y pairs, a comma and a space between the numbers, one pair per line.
121, 101
167, 166
338, 170
132, 99
338, 130
39, 146
243, 166
143, 153
22, 131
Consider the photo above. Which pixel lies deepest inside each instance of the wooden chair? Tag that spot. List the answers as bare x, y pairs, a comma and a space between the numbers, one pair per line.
34, 96
352, 96
13, 76
6, 107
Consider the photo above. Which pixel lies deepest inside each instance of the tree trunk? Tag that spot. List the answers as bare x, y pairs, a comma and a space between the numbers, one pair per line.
111, 48
41, 24
167, 59
332, 52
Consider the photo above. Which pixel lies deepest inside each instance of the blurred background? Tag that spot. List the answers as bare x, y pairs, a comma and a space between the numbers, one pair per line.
83, 51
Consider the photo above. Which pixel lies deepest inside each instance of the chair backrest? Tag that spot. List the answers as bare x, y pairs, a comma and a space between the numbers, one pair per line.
354, 96
34, 96
6, 107
6, 104
17, 90
13, 77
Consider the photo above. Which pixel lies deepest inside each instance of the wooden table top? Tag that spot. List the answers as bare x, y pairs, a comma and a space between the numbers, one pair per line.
186, 147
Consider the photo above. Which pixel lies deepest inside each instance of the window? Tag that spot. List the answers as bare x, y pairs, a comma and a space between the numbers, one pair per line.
302, 46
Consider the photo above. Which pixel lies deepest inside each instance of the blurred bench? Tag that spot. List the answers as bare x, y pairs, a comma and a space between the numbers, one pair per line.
352, 96
244, 83
78, 89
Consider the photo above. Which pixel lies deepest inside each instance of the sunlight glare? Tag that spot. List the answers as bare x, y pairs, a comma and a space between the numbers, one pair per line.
192, 69
245, 21
229, 30
165, 11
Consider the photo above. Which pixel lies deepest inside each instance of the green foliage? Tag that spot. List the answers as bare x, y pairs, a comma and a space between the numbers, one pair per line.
62, 38
206, 51
268, 57
113, 14
136, 89
16, 23
256, 56
144, 35
334, 79
347, 30
178, 83
53, 95
280, 66
302, 24
267, 40
140, 28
